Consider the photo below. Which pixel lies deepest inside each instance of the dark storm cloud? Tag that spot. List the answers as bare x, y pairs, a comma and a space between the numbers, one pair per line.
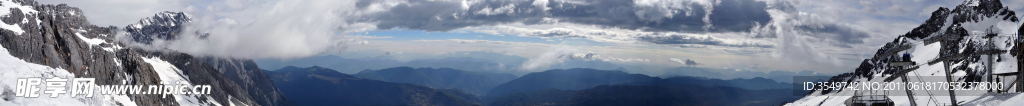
727, 16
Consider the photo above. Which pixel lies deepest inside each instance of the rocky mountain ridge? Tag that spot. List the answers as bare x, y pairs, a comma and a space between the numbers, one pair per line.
60, 36
962, 38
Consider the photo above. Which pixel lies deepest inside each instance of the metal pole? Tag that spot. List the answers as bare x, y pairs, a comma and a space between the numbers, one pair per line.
990, 47
1020, 54
952, 95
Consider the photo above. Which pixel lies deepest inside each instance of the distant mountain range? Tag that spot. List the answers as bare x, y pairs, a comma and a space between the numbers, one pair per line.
656, 95
582, 78
476, 83
501, 63
757, 83
318, 86
777, 75
588, 87
570, 79
579, 86
468, 61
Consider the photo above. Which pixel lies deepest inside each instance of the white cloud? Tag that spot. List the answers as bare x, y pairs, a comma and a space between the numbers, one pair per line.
794, 43
507, 9
616, 35
296, 28
562, 53
591, 56
656, 10
542, 4
545, 60
851, 25
272, 29
554, 55
465, 41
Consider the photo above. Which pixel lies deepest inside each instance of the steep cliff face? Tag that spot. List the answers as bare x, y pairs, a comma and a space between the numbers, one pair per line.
247, 74
60, 37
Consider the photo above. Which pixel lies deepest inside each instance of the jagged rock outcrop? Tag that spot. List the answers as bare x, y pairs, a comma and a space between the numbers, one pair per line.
162, 26
60, 36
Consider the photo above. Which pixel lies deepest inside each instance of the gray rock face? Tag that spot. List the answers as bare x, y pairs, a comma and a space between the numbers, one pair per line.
59, 36
247, 74
51, 38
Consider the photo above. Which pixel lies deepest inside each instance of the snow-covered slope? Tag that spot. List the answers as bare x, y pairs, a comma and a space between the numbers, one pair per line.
170, 74
12, 68
968, 24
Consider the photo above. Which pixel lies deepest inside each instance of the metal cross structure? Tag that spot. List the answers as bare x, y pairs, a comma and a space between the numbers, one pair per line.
945, 64
945, 41
990, 46
902, 67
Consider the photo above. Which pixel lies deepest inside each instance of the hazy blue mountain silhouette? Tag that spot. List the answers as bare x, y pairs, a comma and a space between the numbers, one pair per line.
570, 79
318, 86
756, 83
656, 95
582, 78
777, 75
467, 61
477, 83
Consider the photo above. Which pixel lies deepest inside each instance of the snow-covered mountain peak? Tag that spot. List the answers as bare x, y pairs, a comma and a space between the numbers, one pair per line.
974, 39
165, 18
164, 25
